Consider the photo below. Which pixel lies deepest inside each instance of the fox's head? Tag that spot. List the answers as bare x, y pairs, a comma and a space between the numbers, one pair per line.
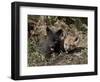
70, 42
54, 39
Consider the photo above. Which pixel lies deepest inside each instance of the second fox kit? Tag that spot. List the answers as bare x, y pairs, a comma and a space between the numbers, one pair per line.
70, 42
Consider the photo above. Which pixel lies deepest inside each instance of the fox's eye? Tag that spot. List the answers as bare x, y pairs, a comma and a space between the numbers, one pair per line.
76, 39
55, 40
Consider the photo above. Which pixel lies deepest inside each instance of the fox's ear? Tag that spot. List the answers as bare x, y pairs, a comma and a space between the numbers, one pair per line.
59, 32
49, 32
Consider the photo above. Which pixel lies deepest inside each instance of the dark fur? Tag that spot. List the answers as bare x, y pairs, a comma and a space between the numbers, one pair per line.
53, 43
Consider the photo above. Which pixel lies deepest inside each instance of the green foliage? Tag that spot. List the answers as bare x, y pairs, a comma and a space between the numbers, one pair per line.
34, 57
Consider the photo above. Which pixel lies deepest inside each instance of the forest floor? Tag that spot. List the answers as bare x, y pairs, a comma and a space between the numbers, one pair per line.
76, 56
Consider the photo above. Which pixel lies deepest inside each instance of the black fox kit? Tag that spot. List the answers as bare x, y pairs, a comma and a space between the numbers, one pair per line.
53, 42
